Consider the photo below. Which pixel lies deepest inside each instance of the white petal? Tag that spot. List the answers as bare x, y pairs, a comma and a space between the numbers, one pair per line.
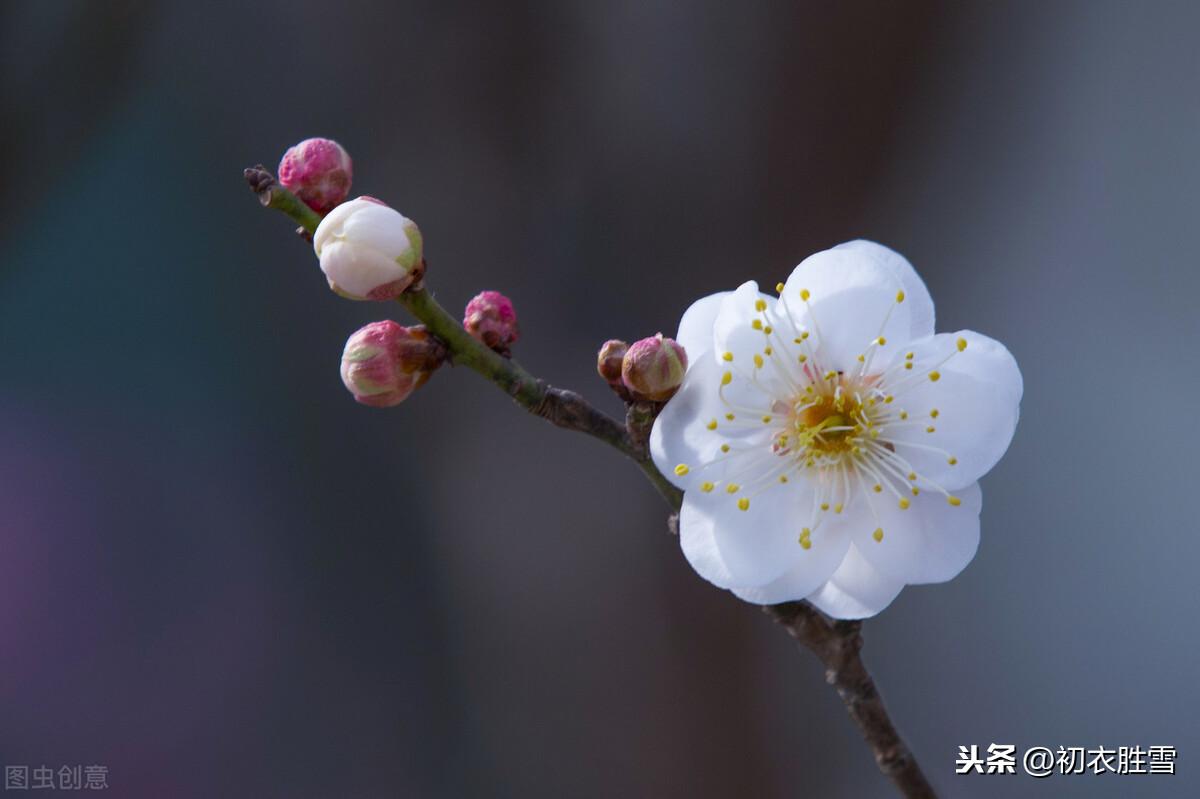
378, 227
737, 341
681, 433
829, 546
330, 227
730, 547
977, 398
357, 271
920, 312
733, 327
696, 327
856, 590
931, 542
852, 302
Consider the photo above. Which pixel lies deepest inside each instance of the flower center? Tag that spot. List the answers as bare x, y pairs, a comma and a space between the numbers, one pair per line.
838, 429
827, 426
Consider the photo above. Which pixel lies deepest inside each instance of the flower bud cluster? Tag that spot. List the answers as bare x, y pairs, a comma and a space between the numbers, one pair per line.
651, 369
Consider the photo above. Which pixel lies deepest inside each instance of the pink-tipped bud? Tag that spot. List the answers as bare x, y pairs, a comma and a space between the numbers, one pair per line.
609, 360
653, 368
318, 171
385, 362
490, 319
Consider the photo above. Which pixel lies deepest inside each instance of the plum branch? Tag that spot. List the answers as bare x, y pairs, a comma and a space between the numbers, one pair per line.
837, 644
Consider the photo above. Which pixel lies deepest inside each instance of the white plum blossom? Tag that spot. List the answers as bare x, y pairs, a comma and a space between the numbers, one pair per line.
828, 443
368, 251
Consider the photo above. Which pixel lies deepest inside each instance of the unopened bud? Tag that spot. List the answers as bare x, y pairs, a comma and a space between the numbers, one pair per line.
385, 362
490, 319
318, 171
368, 251
653, 368
609, 360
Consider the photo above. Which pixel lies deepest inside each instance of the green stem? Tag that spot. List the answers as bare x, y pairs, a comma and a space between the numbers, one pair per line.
272, 195
466, 351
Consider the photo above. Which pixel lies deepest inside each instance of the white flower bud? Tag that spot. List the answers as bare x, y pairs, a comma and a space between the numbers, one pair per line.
368, 251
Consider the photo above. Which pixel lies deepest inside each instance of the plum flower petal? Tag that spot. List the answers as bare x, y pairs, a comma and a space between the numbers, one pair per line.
696, 327
828, 443
857, 590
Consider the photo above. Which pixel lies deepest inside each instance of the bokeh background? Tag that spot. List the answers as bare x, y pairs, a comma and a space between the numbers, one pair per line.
221, 577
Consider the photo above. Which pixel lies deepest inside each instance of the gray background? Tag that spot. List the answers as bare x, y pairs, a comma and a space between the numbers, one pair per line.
221, 577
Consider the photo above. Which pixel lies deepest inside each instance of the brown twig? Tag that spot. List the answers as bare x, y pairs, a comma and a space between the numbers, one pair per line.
835, 643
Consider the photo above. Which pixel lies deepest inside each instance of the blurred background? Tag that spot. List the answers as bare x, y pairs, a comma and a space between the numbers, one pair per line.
219, 576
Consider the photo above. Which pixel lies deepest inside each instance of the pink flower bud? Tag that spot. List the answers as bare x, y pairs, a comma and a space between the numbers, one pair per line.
368, 251
609, 360
490, 319
318, 171
653, 368
385, 362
